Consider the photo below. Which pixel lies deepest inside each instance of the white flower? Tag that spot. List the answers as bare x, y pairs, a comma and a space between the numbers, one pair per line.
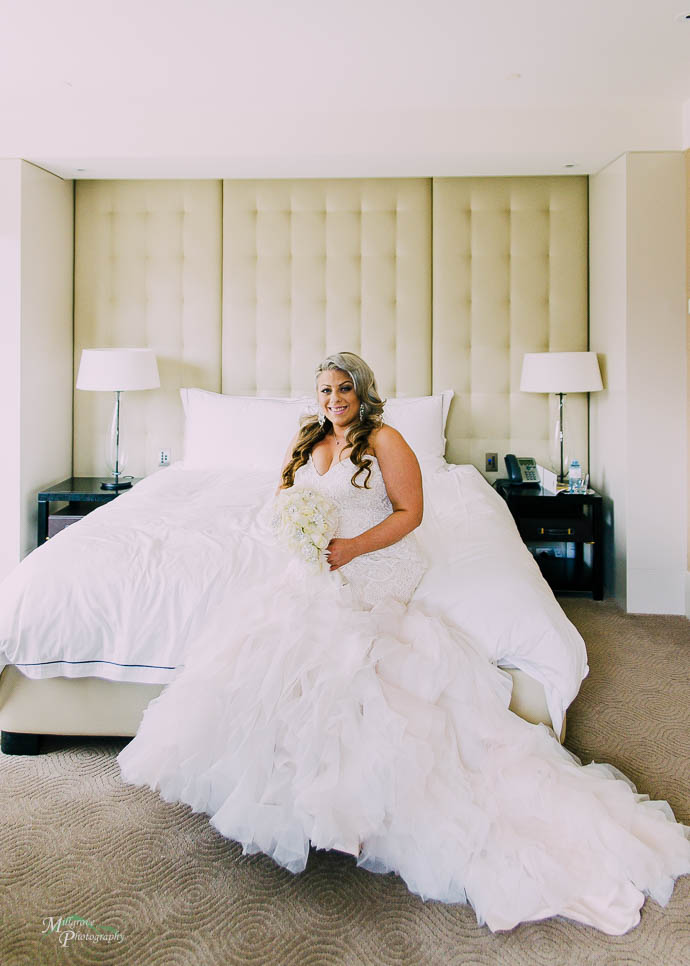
305, 522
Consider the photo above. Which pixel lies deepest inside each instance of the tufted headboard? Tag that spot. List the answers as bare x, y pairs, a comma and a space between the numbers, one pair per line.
510, 276
245, 285
312, 267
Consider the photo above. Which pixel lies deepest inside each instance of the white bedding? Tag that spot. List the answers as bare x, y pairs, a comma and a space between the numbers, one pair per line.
124, 593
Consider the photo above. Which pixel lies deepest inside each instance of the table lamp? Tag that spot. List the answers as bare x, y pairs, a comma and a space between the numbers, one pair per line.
117, 370
560, 373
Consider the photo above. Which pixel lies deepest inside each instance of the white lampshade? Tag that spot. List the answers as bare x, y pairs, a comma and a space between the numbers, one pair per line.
560, 372
102, 370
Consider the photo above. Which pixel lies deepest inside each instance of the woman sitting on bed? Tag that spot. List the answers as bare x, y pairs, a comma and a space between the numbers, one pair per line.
323, 709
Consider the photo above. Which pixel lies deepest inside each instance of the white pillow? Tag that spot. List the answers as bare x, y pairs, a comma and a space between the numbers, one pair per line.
238, 431
422, 421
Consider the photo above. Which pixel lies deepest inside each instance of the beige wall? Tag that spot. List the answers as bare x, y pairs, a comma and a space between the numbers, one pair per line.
638, 325
36, 257
608, 338
46, 344
10, 339
687, 325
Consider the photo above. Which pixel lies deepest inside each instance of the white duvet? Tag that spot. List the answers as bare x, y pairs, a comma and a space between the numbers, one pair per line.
124, 593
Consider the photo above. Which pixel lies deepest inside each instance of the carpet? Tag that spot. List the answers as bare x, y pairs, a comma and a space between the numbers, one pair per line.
150, 883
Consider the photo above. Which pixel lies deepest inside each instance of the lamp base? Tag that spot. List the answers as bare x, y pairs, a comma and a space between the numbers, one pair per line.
124, 484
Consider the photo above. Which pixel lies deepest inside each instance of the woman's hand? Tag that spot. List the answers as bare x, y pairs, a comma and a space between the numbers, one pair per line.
340, 552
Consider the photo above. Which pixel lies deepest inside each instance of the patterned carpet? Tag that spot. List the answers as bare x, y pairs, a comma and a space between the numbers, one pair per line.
168, 890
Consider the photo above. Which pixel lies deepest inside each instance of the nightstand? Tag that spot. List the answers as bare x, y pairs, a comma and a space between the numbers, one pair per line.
572, 522
82, 494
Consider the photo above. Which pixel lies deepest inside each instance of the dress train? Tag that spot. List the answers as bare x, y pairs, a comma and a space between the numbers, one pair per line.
389, 737
342, 717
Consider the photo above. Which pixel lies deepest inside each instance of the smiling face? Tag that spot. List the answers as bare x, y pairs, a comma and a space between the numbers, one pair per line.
335, 392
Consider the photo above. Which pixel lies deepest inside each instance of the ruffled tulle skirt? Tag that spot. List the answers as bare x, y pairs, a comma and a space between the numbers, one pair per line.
301, 719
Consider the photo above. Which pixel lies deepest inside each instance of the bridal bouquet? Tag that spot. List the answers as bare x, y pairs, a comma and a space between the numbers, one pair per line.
305, 522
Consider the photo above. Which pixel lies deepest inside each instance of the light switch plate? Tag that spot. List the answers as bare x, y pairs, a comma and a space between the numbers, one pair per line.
491, 462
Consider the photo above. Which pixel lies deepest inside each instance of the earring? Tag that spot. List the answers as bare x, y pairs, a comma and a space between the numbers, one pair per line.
321, 417
361, 412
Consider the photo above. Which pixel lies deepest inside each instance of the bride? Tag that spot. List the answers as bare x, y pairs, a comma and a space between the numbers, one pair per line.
326, 709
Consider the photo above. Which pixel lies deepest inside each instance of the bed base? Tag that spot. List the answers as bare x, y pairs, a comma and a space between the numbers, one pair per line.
92, 706
15, 743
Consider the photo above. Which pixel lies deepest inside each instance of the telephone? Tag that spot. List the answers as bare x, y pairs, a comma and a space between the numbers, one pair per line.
522, 470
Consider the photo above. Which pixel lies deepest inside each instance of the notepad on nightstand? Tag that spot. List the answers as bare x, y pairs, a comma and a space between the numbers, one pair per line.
548, 479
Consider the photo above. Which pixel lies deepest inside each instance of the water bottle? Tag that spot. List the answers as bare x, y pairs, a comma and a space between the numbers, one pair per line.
575, 477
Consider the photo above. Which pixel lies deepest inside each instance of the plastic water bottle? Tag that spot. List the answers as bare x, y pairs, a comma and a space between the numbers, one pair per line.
575, 477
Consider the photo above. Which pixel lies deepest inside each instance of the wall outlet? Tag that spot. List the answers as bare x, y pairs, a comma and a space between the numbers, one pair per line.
164, 457
491, 462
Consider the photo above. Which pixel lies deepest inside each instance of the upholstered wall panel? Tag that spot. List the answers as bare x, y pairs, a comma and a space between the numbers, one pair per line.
509, 277
147, 273
310, 267
314, 267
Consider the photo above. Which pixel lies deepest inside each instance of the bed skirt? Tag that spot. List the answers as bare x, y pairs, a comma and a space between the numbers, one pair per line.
96, 706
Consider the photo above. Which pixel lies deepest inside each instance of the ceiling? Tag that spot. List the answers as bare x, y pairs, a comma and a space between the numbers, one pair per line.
309, 88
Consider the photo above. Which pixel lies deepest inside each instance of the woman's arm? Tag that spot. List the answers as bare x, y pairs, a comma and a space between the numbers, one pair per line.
403, 479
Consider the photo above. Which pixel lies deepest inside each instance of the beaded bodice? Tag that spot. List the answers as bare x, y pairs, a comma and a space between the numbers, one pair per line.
392, 572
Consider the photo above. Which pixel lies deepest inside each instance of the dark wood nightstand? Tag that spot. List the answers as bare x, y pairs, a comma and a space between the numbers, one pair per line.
574, 520
82, 494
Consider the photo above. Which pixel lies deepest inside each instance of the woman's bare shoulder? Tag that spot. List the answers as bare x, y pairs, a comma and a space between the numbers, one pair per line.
384, 439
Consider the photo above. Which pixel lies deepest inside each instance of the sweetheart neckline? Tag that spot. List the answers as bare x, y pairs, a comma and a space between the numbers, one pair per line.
333, 465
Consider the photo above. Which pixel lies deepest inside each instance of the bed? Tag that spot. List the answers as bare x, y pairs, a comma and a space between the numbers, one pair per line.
95, 622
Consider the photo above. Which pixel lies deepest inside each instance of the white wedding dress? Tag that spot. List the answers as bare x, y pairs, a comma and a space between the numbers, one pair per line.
334, 714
